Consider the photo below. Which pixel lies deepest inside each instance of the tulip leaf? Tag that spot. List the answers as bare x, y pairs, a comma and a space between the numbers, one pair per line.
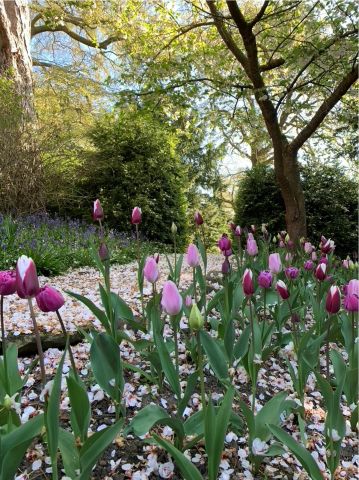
215, 355
270, 413
145, 419
190, 387
241, 347
69, 453
80, 407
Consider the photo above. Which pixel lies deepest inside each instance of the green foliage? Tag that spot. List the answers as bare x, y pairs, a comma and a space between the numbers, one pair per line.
330, 199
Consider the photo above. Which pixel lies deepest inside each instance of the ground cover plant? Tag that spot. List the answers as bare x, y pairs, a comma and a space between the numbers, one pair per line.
247, 372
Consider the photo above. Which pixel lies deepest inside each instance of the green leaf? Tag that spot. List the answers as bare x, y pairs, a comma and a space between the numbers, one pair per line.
215, 355
145, 419
121, 309
270, 413
188, 470
100, 314
80, 407
190, 387
305, 458
69, 453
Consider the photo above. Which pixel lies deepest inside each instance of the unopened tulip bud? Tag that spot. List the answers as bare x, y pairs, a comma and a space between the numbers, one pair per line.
192, 256
290, 244
195, 318
27, 283
49, 299
291, 273
282, 290
265, 279
198, 219
320, 272
103, 252
226, 266
274, 239
288, 257
247, 283
171, 299
286, 238
97, 213
308, 265
150, 270
281, 244
314, 256
332, 303
136, 217
323, 260
274, 263
173, 228
252, 248
7, 282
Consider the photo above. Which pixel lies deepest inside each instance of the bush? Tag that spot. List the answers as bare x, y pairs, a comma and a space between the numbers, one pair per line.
135, 164
330, 199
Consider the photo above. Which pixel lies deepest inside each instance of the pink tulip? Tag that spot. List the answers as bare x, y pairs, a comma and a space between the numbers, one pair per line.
198, 219
192, 256
320, 272
347, 263
308, 265
332, 303
252, 248
281, 244
171, 299
247, 283
265, 279
308, 248
97, 213
49, 299
282, 290
150, 270
250, 236
274, 263
225, 245
351, 303
353, 287
27, 283
7, 282
291, 273
288, 257
136, 217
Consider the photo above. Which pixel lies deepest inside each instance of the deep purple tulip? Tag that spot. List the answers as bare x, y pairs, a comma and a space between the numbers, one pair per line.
323, 260
291, 273
224, 243
27, 283
136, 217
232, 226
308, 265
265, 279
150, 270
49, 299
7, 282
97, 213
198, 219
171, 299
247, 283
192, 255
226, 266
282, 290
332, 303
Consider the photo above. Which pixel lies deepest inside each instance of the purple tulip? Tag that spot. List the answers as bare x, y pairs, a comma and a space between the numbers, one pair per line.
351, 303
274, 263
314, 256
282, 290
49, 299
238, 231
198, 219
7, 282
171, 299
224, 243
332, 303
136, 217
150, 270
97, 213
192, 256
308, 248
226, 266
265, 279
232, 226
308, 265
103, 252
323, 260
247, 283
291, 273
27, 283
353, 287
252, 248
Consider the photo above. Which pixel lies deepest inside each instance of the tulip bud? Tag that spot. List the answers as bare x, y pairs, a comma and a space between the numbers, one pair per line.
49, 299
7, 282
150, 270
247, 283
332, 303
192, 256
252, 248
171, 299
323, 260
286, 238
195, 318
308, 265
281, 244
136, 217
188, 301
265, 279
238, 231
264, 229
103, 252
198, 219
320, 272
348, 263
274, 239
274, 263
226, 266
97, 213
27, 283
308, 248
302, 241
282, 290
291, 273
173, 228
288, 257
327, 246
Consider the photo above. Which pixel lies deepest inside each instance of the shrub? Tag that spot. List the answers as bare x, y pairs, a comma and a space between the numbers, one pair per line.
330, 199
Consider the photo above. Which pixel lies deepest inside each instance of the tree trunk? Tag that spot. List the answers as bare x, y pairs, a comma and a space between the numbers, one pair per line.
288, 178
15, 56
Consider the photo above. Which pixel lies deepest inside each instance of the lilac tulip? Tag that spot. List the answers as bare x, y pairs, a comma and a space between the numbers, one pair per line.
192, 256
171, 299
150, 270
291, 273
265, 279
308, 265
308, 248
351, 303
252, 248
274, 263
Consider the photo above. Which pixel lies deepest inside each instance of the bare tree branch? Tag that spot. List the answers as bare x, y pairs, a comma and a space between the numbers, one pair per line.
260, 14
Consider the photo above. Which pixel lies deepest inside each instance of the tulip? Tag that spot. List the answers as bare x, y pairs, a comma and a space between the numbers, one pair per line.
288, 257
314, 256
195, 318
353, 287
308, 265
265, 279
27, 283
250, 236
103, 252
238, 231
49, 299
291, 273
282, 290
156, 256
351, 303
192, 256
323, 260
290, 244
171, 299
327, 246
348, 263
188, 301
281, 244
274, 263
252, 248
320, 272
274, 240
7, 282
308, 248
224, 243
247, 283
332, 303
150, 270
198, 219
136, 217
97, 213
226, 266
253, 228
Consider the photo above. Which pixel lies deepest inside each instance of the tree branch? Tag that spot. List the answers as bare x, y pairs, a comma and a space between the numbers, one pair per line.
325, 108
237, 15
260, 14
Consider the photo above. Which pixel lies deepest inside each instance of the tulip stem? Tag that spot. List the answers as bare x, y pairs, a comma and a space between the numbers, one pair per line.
353, 331
327, 347
175, 252
3, 341
38, 343
175, 331
200, 369
139, 262
64, 331
254, 386
194, 285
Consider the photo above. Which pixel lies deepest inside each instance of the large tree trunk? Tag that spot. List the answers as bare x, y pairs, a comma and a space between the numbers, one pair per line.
288, 178
15, 56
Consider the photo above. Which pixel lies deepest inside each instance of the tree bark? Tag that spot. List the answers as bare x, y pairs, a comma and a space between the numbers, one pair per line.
15, 56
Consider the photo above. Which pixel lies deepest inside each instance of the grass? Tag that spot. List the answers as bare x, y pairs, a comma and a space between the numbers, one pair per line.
57, 245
